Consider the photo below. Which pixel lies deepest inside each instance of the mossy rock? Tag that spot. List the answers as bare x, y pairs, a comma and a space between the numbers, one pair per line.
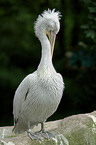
74, 130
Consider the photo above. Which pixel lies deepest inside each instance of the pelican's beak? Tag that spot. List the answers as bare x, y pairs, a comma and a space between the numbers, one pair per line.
52, 38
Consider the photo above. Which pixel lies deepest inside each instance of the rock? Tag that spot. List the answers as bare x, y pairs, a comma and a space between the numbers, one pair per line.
74, 130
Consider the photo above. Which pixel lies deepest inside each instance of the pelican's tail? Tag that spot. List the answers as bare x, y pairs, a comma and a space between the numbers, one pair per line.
19, 128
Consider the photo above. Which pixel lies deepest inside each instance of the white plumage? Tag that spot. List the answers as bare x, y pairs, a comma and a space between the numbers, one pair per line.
39, 94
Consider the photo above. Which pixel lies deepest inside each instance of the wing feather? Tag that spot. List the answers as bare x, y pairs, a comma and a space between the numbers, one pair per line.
20, 96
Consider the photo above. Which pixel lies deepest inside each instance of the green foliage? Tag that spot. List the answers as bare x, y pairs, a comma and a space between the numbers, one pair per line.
74, 14
90, 27
16, 33
86, 57
83, 58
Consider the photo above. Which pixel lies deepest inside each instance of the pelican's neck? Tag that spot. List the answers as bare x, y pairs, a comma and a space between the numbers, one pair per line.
46, 58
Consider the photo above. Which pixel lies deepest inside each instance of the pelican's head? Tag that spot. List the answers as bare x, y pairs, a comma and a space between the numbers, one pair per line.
48, 24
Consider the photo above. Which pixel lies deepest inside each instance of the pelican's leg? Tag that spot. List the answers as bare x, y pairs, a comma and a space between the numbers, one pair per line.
46, 134
33, 136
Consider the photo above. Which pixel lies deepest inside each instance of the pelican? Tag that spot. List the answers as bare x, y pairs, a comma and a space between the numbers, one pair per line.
39, 94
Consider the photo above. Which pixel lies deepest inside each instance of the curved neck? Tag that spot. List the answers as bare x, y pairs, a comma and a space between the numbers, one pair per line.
46, 58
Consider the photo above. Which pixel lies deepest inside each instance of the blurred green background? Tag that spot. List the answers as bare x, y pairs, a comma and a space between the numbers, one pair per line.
74, 54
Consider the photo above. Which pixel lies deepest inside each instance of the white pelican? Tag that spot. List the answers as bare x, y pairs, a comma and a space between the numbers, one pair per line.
39, 94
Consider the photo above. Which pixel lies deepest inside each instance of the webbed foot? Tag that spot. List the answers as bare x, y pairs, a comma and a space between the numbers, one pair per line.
40, 134
34, 136
47, 134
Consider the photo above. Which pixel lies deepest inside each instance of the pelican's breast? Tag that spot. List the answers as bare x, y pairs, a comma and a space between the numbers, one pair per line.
50, 90
43, 98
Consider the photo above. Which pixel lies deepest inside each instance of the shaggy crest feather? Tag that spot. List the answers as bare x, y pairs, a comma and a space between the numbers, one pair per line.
47, 15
